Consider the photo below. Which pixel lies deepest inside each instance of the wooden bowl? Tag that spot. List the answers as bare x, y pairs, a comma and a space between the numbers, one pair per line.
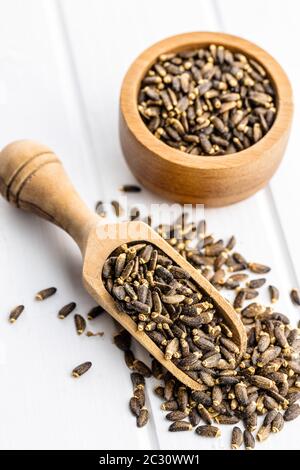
185, 178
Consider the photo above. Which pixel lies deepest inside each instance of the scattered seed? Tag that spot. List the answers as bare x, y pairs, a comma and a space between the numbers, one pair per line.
139, 393
251, 419
236, 438
274, 294
134, 406
130, 188
239, 300
292, 412
261, 382
143, 418
95, 312
295, 296
258, 268
123, 340
249, 440
81, 369
180, 426
45, 293
171, 405
277, 423
225, 419
138, 380
141, 368
194, 417
208, 431
256, 283
129, 359
263, 433
204, 414
15, 313
117, 208
241, 393
208, 102
80, 324
99, 208
267, 379
66, 310
159, 391
182, 398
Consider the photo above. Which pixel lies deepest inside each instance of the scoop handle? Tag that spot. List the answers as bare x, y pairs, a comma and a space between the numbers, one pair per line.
33, 179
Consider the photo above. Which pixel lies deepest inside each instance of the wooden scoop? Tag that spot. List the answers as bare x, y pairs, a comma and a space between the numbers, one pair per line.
32, 178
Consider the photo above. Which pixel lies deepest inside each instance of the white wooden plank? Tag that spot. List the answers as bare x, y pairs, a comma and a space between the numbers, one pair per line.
116, 34
273, 24
49, 94
41, 406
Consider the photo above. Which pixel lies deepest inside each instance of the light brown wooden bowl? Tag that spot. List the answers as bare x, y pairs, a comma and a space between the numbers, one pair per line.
184, 178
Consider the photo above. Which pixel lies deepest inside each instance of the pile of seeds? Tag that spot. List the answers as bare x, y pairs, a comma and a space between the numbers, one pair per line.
165, 303
208, 101
267, 380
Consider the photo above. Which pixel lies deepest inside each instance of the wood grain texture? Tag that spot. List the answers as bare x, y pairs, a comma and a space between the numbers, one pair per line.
33, 179
184, 178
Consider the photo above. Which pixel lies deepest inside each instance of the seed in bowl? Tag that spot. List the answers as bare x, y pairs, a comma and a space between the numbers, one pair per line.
208, 101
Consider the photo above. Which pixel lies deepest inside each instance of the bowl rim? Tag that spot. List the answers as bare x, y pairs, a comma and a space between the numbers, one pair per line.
137, 70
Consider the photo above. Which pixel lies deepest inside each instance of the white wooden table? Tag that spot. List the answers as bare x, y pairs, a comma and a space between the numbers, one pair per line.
61, 66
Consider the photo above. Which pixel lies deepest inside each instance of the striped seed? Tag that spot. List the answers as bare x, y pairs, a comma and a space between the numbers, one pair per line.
258, 268
263, 432
134, 406
295, 296
129, 359
123, 340
95, 312
176, 415
256, 283
274, 294
194, 417
15, 313
90, 334
138, 380
80, 324
99, 208
130, 188
292, 412
117, 208
207, 91
208, 431
142, 368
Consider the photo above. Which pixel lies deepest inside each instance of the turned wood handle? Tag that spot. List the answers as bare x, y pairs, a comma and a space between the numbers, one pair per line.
33, 179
